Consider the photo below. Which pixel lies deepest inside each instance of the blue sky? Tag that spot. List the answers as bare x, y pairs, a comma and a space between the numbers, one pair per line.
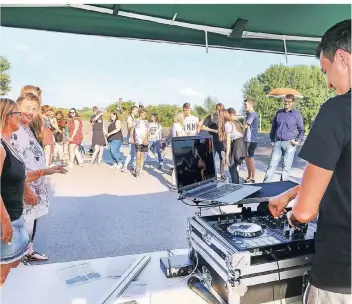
78, 71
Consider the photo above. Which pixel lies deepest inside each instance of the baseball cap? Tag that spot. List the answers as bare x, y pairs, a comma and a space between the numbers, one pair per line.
231, 110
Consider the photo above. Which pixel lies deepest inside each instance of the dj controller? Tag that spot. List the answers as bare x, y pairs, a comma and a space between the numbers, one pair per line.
263, 235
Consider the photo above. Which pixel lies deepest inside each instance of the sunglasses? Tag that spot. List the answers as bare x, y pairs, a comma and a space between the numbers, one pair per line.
16, 113
72, 112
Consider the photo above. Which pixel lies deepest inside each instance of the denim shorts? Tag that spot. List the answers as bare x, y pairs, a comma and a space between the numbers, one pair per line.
19, 244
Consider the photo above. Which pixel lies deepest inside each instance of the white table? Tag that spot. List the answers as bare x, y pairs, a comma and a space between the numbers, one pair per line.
41, 284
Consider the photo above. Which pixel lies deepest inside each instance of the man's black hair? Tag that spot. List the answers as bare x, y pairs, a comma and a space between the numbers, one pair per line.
335, 38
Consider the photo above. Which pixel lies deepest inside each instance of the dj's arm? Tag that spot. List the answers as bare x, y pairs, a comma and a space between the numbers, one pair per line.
314, 183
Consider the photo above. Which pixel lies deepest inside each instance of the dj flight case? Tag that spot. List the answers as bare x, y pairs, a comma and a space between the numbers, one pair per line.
243, 277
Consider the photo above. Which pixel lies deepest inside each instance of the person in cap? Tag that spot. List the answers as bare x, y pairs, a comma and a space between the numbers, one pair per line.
326, 183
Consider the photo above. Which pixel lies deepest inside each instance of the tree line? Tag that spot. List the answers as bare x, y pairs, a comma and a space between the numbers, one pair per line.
308, 80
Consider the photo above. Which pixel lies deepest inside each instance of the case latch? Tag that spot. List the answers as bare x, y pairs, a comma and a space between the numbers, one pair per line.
206, 237
207, 279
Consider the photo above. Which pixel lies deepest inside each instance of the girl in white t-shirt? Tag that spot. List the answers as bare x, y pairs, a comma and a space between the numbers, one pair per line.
154, 139
231, 133
176, 131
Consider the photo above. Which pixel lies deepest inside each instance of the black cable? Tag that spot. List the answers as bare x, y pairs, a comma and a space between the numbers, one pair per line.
304, 283
278, 271
201, 205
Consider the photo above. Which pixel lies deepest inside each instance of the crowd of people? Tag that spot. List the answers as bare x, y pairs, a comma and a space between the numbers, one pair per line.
32, 136
234, 143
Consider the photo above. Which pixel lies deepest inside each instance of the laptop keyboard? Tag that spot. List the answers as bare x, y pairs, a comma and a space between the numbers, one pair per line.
220, 191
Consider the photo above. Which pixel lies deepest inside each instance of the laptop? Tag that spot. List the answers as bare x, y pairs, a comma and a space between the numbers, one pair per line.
195, 172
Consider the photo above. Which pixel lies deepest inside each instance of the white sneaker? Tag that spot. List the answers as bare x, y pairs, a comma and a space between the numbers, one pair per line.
113, 166
119, 166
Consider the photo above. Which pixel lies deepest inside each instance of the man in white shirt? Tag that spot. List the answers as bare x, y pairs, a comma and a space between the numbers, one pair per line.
132, 148
191, 124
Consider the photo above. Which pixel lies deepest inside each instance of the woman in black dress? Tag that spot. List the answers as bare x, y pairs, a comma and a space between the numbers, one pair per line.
98, 140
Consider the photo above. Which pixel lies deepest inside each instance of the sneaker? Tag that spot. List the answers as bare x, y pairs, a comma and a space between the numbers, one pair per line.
125, 170
24, 262
161, 166
119, 166
113, 166
173, 189
223, 178
249, 181
137, 172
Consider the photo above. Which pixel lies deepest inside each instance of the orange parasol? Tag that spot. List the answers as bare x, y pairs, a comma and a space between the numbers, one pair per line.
282, 92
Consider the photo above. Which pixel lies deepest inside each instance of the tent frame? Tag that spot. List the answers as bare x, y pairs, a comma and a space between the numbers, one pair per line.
216, 30
236, 32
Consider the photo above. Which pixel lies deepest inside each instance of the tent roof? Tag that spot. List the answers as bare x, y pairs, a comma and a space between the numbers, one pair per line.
306, 23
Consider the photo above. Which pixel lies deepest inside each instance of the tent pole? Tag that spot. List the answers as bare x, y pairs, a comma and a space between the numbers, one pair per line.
206, 40
284, 38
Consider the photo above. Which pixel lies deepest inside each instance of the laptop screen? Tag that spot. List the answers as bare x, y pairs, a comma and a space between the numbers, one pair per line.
193, 160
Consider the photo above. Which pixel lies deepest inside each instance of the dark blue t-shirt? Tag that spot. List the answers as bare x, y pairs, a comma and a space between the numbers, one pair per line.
251, 134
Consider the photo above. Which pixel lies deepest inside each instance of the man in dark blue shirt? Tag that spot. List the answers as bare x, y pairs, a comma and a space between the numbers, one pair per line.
286, 132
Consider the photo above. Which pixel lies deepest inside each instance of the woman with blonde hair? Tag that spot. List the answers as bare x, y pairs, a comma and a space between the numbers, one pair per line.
37, 124
36, 196
61, 139
15, 240
231, 133
177, 126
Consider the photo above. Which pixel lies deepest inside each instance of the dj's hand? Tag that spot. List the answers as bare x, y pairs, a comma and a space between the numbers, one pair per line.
278, 204
292, 219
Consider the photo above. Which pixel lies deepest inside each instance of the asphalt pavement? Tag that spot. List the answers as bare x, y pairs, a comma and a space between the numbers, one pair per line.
96, 211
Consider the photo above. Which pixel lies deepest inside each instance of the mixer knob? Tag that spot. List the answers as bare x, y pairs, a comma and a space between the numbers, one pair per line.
287, 234
263, 226
282, 225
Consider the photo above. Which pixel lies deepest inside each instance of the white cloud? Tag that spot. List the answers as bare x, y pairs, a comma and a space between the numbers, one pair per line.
189, 92
22, 47
35, 59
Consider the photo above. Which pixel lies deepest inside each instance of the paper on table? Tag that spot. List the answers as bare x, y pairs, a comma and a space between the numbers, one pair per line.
78, 273
136, 291
116, 270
